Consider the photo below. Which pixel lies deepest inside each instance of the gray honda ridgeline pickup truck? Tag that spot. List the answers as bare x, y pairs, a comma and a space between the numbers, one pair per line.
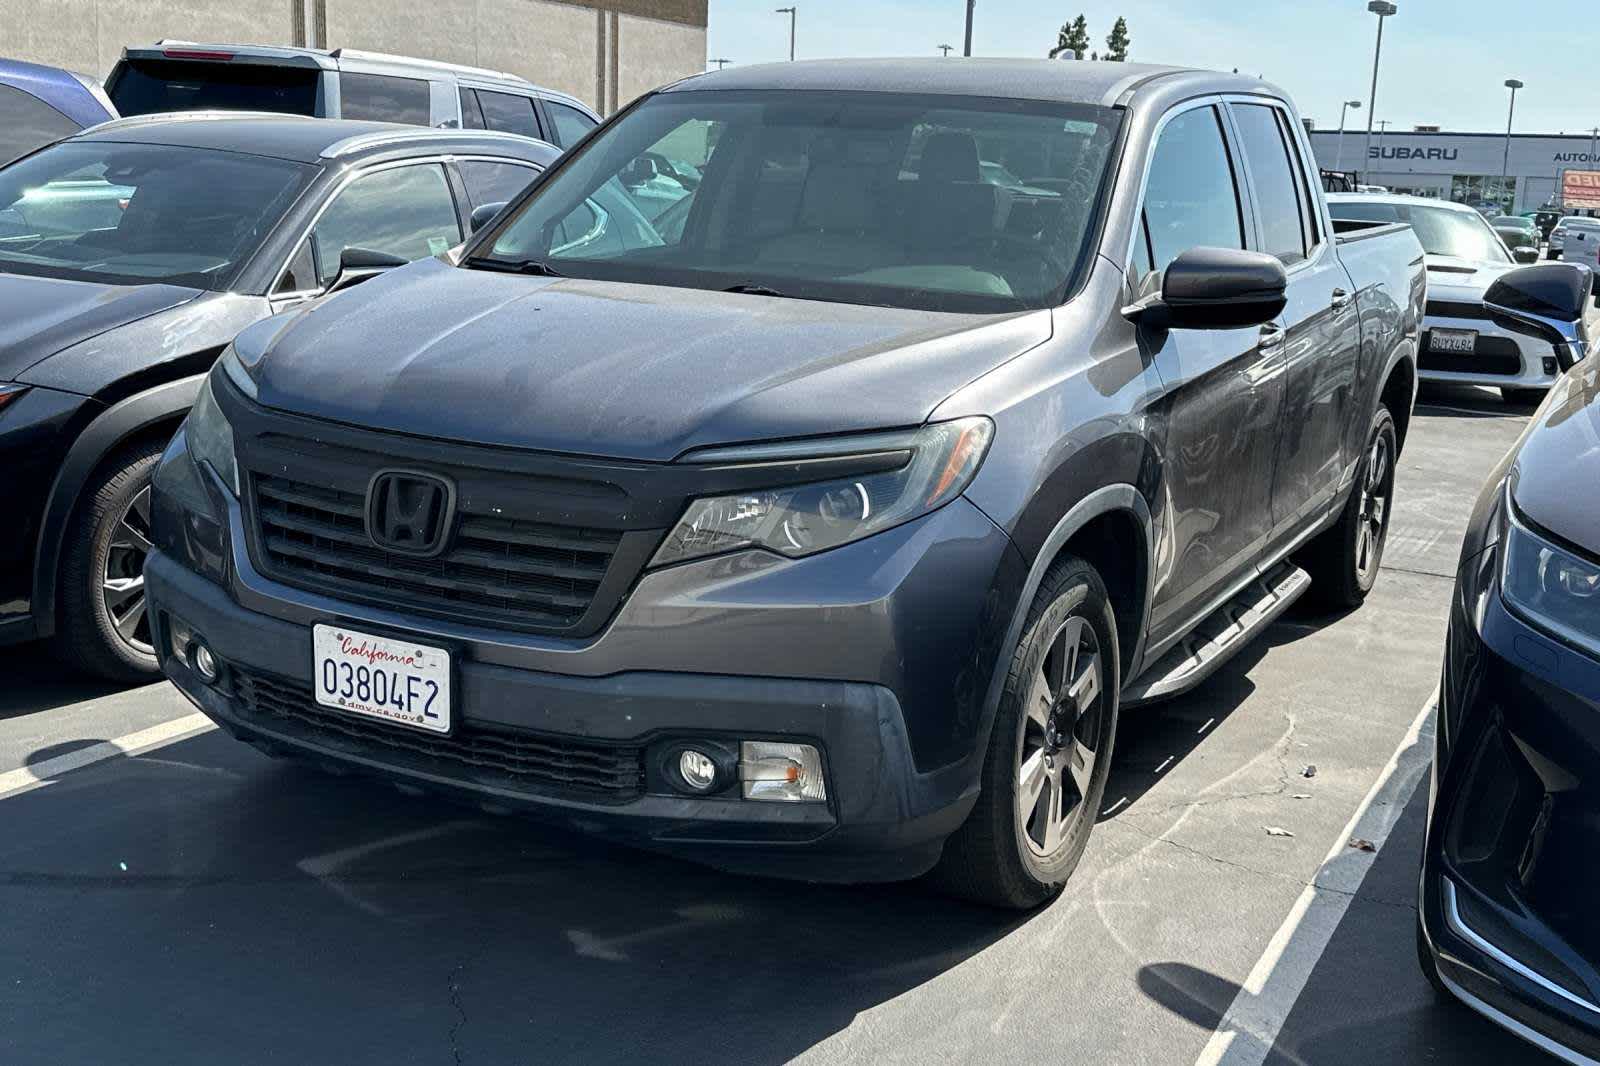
815, 516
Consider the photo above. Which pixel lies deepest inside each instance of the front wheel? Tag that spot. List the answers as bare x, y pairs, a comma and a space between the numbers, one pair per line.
1049, 750
1344, 560
1523, 397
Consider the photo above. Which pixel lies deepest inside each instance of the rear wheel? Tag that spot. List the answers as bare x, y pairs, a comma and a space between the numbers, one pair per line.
105, 627
1049, 750
1523, 397
1344, 560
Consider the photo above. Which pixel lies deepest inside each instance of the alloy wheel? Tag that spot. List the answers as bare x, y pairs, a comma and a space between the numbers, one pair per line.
1372, 519
122, 578
1061, 730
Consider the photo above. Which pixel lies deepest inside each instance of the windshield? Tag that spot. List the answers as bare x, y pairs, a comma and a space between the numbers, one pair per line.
935, 202
140, 213
1442, 230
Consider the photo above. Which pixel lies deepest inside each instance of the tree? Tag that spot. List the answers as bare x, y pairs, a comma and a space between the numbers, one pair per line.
1074, 38
1117, 41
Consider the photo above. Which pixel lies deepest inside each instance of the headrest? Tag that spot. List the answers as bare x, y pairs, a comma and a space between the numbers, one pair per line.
949, 157
836, 198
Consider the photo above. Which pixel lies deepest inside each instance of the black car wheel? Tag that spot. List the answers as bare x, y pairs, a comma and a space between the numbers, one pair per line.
1049, 750
104, 624
1344, 561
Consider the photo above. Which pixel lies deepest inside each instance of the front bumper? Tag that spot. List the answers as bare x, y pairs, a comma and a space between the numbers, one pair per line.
1507, 892
1503, 358
877, 653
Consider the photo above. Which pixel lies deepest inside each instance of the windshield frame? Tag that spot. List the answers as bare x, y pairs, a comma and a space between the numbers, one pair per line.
479, 246
306, 177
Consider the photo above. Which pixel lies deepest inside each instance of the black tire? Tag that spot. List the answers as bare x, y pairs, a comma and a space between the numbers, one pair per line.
1344, 566
1523, 397
997, 856
96, 550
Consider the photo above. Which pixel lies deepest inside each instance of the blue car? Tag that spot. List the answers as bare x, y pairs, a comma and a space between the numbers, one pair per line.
43, 104
1507, 890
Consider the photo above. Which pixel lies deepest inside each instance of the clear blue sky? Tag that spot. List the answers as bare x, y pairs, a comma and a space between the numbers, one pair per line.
1444, 61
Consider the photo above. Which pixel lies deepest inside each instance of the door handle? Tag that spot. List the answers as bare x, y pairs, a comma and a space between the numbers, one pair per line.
1272, 335
1341, 299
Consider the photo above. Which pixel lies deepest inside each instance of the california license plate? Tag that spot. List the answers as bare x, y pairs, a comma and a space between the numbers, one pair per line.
398, 681
1453, 340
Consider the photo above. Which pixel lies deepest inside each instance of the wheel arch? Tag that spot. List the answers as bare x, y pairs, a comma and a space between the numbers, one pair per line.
1399, 393
151, 411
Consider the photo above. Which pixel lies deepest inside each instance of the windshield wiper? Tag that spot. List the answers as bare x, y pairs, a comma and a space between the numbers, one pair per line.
752, 289
536, 267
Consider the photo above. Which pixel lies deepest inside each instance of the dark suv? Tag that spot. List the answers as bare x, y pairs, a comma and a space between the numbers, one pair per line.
819, 520
130, 254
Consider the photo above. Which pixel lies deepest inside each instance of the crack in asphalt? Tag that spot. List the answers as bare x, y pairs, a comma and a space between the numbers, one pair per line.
460, 1009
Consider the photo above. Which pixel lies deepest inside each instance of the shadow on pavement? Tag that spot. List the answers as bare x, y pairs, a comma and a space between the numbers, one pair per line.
36, 681
1366, 1001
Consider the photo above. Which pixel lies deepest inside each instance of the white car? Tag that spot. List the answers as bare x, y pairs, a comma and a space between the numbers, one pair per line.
1572, 226
1460, 343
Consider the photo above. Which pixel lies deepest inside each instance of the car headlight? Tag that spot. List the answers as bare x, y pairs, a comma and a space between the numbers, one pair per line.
210, 437
803, 519
1552, 587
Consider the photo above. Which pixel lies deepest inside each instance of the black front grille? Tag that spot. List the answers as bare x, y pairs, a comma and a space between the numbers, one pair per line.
523, 762
528, 573
1494, 355
1456, 309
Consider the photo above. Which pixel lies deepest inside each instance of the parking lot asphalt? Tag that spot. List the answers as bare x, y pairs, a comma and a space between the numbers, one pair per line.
197, 902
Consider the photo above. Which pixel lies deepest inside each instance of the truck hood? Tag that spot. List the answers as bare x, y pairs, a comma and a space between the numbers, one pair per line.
1560, 460
1461, 279
42, 316
619, 370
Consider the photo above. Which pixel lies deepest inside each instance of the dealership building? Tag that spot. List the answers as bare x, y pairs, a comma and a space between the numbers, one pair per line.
604, 52
1465, 167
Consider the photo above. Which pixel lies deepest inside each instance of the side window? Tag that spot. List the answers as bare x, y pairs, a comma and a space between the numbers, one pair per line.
570, 123
1283, 231
301, 273
383, 99
494, 183
508, 113
1191, 199
471, 113
407, 211
26, 122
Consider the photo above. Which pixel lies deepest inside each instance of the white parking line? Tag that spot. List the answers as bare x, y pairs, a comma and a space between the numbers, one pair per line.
28, 778
1251, 1025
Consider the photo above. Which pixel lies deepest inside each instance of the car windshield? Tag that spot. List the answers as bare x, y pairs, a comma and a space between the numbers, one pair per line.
1516, 221
1578, 223
1442, 230
934, 202
140, 213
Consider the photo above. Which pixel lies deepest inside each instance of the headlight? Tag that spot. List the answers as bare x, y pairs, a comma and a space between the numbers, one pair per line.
211, 438
800, 520
1553, 587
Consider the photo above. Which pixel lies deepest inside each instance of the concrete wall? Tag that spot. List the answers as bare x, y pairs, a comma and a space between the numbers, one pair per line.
604, 52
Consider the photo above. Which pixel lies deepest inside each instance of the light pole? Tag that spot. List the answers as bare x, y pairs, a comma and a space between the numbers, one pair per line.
1383, 9
1593, 133
1505, 159
721, 62
967, 51
946, 49
791, 13
1353, 105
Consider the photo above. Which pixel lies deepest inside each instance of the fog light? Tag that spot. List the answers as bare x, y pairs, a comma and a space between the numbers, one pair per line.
783, 773
205, 663
1550, 366
697, 770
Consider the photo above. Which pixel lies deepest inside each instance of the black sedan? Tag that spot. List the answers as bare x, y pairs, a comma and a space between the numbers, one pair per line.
130, 255
1513, 846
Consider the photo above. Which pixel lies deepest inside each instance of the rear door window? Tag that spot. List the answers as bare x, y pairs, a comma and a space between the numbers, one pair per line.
570, 123
1191, 199
471, 113
494, 183
149, 86
508, 113
405, 211
381, 98
1283, 228
26, 122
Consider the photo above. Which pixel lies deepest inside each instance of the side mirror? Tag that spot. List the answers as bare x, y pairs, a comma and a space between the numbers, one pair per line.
1216, 288
639, 171
1550, 297
483, 214
359, 264
1525, 253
